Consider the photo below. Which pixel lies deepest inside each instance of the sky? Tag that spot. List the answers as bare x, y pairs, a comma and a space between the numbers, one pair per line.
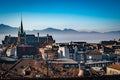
81, 15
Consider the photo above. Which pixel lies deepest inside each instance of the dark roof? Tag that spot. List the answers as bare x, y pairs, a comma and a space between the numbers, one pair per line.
94, 52
80, 48
80, 42
33, 39
108, 42
42, 39
6, 39
13, 39
116, 46
50, 38
30, 39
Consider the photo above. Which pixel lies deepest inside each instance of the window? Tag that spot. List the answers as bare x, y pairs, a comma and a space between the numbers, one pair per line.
71, 56
66, 66
72, 66
27, 56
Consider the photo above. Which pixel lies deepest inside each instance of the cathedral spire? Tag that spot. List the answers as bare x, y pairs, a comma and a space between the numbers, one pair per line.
21, 34
21, 27
21, 30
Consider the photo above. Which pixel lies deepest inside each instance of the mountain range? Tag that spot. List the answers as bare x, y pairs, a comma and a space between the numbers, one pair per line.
6, 29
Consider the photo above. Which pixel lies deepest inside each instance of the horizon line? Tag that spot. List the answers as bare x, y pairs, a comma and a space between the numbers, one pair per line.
59, 29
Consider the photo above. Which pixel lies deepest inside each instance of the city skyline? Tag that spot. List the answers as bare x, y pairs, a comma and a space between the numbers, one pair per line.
81, 15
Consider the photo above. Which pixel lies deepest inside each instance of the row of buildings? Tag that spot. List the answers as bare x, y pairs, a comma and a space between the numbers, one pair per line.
31, 46
75, 55
105, 50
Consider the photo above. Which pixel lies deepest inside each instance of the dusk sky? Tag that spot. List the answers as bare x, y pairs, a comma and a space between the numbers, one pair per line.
81, 15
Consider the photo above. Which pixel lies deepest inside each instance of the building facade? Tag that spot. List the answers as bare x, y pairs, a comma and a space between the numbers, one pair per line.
72, 51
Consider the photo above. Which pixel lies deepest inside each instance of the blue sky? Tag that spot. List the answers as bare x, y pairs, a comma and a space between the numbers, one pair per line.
82, 15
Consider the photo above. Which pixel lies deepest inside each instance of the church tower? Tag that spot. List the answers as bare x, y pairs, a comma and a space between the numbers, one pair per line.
21, 34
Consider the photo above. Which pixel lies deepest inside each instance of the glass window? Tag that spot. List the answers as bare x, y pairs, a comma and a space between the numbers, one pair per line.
73, 65
66, 65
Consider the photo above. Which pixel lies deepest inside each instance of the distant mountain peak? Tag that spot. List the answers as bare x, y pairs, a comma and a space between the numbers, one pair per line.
3, 25
6, 29
113, 32
6, 26
51, 29
70, 30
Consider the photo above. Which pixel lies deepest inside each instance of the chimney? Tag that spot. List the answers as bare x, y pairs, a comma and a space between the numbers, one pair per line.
38, 37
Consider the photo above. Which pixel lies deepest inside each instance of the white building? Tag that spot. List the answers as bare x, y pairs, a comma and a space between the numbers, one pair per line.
75, 52
66, 52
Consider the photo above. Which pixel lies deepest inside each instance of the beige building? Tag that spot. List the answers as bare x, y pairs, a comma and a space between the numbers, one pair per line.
117, 51
113, 69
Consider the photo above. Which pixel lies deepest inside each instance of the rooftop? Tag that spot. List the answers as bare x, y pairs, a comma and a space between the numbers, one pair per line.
94, 52
115, 66
64, 61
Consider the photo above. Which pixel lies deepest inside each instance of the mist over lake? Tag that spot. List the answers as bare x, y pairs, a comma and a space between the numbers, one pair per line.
65, 35
90, 38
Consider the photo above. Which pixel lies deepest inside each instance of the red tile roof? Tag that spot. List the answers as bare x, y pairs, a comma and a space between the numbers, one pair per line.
115, 66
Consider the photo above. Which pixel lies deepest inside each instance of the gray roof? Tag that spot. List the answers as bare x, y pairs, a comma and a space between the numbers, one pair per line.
30, 39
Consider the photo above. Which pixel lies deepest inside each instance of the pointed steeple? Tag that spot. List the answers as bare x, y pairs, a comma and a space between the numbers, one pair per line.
21, 30
21, 27
21, 34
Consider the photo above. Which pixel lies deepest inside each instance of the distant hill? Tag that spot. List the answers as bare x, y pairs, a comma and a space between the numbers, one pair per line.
58, 31
46, 31
115, 32
69, 31
6, 29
